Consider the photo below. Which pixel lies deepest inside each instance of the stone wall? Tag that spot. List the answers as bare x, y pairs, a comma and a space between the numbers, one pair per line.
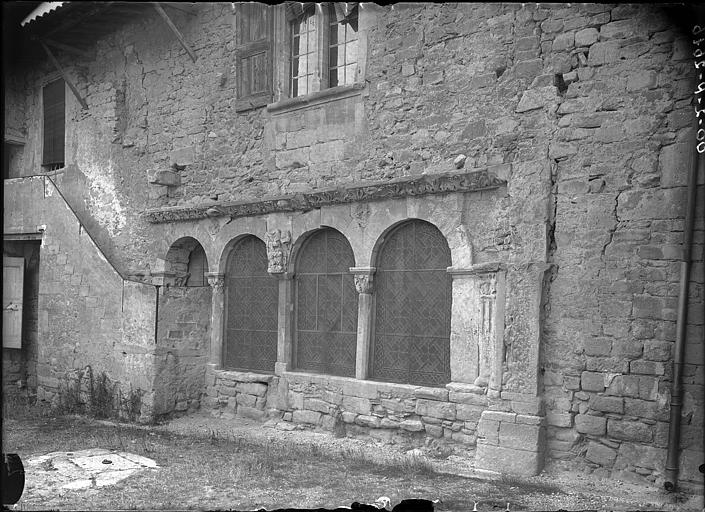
584, 111
183, 338
229, 394
92, 316
19, 370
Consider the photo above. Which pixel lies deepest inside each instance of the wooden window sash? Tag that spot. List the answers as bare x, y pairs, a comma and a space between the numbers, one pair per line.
250, 68
54, 129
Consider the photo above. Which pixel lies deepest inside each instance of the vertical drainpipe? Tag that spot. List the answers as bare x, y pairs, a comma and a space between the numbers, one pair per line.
156, 315
677, 387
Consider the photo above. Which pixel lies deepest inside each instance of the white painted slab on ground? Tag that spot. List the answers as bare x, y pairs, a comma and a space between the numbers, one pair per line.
83, 469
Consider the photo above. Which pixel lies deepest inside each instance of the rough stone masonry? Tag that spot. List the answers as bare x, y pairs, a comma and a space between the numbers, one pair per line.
564, 261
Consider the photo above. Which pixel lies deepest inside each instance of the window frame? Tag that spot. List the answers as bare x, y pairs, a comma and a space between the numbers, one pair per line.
52, 165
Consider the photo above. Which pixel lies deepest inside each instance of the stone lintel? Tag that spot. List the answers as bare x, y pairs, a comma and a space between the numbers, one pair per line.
476, 270
442, 183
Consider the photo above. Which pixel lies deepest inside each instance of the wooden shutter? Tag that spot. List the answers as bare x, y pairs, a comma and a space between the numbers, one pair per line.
254, 55
54, 122
12, 295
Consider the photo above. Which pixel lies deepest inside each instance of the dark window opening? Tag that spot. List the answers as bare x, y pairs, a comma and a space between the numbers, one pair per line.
54, 98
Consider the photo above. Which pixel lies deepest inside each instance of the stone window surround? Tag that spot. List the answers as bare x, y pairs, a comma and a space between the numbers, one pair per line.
467, 284
280, 61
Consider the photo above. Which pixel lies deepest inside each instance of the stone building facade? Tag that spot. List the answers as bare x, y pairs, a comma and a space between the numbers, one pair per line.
473, 236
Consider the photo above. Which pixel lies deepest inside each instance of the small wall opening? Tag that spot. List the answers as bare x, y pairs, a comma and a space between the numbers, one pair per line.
186, 263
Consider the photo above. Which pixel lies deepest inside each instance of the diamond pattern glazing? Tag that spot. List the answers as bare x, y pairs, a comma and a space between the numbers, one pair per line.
413, 305
326, 305
252, 298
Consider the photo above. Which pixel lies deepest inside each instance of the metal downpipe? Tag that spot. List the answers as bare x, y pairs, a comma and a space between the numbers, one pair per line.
674, 427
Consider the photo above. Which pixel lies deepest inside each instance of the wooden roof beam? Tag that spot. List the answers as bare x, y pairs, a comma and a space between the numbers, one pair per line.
66, 78
78, 19
175, 30
68, 48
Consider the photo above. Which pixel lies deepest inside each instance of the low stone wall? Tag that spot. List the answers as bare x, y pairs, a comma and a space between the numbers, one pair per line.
231, 393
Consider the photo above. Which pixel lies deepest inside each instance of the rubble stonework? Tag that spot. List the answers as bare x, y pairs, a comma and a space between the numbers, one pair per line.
549, 144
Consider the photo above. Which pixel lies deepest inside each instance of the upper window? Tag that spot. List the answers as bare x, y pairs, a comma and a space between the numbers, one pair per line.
323, 46
54, 102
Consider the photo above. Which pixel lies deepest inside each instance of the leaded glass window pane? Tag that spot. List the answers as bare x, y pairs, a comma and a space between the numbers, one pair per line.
252, 303
326, 305
413, 306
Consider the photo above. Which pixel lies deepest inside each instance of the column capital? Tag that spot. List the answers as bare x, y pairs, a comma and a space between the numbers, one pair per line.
215, 279
364, 277
278, 250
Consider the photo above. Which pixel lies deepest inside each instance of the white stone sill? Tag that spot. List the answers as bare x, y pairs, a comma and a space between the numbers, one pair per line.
369, 388
315, 98
240, 376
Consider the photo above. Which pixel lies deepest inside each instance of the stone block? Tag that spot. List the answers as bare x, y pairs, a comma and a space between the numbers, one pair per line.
304, 416
641, 80
639, 455
468, 398
597, 346
655, 350
540, 97
468, 412
247, 400
588, 424
624, 385
440, 394
296, 400
509, 417
251, 388
640, 408
182, 157
603, 53
164, 178
607, 404
559, 419
349, 417
601, 454
362, 389
434, 430
488, 431
315, 404
585, 37
526, 419
443, 410
508, 460
526, 43
630, 431
558, 150
630, 349
252, 413
528, 68
357, 405
617, 29
592, 381
411, 425
388, 423
228, 390
564, 41
648, 387
647, 367
521, 436
367, 421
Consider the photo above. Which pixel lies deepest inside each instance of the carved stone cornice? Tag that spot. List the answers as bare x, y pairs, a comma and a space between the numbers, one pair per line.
373, 191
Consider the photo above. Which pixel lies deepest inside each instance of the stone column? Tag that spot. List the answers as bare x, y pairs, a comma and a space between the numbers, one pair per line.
364, 286
284, 322
217, 281
278, 253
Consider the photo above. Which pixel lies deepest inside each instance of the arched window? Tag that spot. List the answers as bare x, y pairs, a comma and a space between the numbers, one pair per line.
413, 307
326, 305
252, 296
186, 261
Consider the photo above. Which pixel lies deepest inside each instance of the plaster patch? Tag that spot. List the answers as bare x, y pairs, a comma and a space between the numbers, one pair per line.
103, 200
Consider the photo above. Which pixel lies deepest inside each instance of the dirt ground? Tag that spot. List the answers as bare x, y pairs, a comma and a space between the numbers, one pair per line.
201, 462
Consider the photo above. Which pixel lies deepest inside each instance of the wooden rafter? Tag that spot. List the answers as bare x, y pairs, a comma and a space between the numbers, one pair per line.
175, 30
64, 75
68, 48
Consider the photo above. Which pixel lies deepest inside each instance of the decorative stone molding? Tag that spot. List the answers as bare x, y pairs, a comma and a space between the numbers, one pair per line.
475, 270
363, 278
278, 250
426, 184
216, 280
